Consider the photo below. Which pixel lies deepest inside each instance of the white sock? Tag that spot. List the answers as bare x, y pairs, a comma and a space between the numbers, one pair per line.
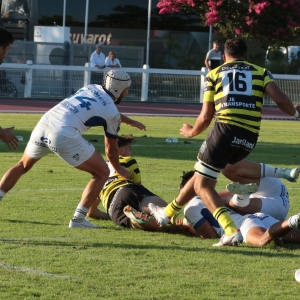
80, 212
2, 194
293, 221
268, 171
241, 200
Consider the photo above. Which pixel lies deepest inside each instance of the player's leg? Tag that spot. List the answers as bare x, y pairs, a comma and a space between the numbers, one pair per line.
97, 167
164, 214
11, 176
34, 151
205, 188
289, 174
95, 213
244, 171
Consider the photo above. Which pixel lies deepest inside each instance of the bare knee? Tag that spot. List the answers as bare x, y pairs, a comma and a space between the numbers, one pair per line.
231, 172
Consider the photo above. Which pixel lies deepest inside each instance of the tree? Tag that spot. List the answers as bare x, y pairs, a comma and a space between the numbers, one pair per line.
272, 22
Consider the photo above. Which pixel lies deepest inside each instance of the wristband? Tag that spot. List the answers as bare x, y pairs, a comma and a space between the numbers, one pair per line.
296, 115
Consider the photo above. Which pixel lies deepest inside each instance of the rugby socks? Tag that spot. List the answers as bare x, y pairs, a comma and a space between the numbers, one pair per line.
225, 220
80, 212
178, 216
268, 171
241, 200
2, 194
172, 208
294, 221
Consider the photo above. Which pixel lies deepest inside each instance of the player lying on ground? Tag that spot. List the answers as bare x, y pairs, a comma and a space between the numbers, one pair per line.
233, 93
60, 131
257, 229
271, 196
119, 192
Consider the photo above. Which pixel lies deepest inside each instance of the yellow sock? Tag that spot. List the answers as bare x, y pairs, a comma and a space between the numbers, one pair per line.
172, 208
223, 217
179, 215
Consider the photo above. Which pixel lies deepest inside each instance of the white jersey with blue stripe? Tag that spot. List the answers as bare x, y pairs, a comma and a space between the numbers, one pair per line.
197, 213
91, 106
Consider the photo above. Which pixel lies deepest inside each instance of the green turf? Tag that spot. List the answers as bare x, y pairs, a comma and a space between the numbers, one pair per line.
40, 257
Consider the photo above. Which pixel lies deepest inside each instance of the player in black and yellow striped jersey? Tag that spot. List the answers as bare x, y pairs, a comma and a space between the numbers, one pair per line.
237, 91
118, 192
234, 94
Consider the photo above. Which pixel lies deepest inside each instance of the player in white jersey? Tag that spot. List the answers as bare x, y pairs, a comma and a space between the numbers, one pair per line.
60, 131
257, 229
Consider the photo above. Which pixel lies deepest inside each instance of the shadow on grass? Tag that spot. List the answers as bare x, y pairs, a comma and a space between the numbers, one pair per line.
29, 222
185, 149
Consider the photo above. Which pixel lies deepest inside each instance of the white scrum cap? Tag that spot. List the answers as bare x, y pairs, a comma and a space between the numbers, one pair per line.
116, 81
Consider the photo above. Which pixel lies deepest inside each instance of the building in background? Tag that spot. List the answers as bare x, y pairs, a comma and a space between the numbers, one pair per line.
177, 41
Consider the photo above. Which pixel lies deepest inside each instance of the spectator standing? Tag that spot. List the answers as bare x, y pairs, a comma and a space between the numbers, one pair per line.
112, 61
213, 57
6, 40
98, 58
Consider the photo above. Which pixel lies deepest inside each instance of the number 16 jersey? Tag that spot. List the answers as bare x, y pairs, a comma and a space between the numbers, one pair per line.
237, 89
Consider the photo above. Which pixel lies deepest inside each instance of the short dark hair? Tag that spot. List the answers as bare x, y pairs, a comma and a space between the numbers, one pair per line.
124, 140
6, 38
186, 177
235, 47
216, 42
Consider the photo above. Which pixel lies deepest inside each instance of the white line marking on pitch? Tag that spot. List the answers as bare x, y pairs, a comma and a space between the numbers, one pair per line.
168, 189
33, 271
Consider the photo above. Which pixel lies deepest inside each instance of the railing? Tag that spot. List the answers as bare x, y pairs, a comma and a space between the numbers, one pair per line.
152, 85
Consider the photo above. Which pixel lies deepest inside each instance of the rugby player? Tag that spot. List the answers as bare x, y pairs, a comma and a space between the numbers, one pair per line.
119, 192
60, 131
234, 93
257, 228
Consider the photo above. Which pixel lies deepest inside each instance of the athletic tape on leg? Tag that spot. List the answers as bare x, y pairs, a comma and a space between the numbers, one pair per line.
207, 170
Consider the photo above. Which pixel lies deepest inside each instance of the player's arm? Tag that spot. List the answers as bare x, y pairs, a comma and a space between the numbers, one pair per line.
207, 64
112, 154
202, 122
280, 98
8, 138
132, 123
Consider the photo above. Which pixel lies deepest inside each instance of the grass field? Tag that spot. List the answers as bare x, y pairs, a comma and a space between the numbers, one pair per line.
40, 257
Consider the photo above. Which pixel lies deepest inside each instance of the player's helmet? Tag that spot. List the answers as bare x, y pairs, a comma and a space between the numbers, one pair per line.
116, 81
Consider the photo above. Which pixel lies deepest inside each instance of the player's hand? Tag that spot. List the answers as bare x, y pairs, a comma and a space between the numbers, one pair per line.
137, 124
8, 138
186, 130
123, 172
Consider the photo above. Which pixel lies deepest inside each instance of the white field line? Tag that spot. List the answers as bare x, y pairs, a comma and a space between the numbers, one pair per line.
42, 190
191, 146
33, 271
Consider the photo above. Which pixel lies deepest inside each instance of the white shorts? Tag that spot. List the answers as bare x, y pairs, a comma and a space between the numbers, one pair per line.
73, 150
255, 220
275, 207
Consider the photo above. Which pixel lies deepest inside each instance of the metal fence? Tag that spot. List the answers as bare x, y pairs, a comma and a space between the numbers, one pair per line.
152, 85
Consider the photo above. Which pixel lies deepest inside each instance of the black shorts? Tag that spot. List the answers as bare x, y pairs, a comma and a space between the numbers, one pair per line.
226, 143
131, 194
